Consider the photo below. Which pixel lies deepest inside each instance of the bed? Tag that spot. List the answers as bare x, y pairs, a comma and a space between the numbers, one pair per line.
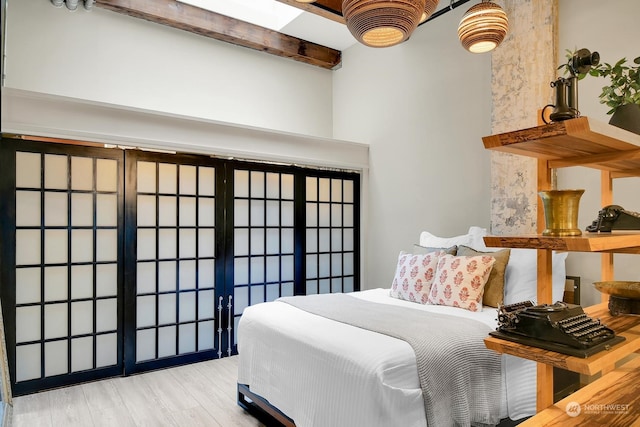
305, 369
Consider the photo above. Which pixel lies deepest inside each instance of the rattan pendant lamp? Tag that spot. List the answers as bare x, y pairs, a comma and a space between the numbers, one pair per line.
429, 8
483, 27
382, 23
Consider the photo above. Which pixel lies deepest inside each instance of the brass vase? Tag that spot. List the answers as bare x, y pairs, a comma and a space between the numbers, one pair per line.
561, 212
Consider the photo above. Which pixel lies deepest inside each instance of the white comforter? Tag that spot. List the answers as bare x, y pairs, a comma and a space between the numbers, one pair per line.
324, 373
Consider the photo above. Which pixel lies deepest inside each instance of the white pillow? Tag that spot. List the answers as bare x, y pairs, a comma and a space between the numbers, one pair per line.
521, 276
429, 240
477, 241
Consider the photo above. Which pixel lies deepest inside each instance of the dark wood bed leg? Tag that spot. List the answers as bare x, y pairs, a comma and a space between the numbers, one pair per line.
260, 408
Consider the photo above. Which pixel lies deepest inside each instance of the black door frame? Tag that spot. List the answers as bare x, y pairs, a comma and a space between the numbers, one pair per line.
8, 150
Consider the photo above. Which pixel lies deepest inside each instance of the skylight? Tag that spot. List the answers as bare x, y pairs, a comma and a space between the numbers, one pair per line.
270, 14
283, 18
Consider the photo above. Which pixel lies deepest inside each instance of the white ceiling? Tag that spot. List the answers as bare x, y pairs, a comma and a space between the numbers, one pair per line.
282, 18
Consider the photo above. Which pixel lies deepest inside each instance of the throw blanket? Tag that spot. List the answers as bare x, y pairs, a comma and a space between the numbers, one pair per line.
459, 376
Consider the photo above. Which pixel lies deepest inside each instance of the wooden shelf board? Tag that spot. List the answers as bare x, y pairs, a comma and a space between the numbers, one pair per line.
618, 241
627, 326
615, 388
574, 142
596, 159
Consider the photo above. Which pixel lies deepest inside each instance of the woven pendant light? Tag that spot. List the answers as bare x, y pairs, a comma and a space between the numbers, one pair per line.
429, 8
483, 27
382, 23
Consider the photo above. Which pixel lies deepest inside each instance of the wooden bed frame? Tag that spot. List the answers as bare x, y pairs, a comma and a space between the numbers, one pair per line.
260, 408
271, 416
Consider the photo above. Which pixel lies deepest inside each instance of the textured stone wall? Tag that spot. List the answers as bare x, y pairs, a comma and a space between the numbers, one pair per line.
522, 68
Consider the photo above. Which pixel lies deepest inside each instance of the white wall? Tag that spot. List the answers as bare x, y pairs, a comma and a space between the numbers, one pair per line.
423, 107
612, 29
109, 57
106, 58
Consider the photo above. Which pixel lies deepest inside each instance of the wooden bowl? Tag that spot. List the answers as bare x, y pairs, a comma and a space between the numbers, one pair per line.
620, 289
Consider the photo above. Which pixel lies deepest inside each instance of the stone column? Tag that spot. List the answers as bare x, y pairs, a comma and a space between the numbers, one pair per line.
522, 68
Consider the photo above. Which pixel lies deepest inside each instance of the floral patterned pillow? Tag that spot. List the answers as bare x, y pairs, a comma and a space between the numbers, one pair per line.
414, 276
459, 281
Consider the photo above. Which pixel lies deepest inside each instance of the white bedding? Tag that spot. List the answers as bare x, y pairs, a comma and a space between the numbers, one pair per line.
324, 373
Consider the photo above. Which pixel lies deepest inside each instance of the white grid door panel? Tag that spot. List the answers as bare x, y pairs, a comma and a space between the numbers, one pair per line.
263, 237
330, 235
175, 266
66, 306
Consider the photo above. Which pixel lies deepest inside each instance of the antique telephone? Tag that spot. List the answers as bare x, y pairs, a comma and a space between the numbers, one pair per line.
614, 217
560, 327
566, 106
562, 110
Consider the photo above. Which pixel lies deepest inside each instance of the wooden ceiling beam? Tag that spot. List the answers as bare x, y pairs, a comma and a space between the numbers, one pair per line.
330, 9
220, 27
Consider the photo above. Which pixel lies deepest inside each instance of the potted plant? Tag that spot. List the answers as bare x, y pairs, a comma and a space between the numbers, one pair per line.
622, 94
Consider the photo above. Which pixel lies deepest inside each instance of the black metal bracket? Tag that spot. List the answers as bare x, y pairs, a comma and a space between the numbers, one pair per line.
444, 10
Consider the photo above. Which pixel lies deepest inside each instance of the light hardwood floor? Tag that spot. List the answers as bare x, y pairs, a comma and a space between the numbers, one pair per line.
201, 394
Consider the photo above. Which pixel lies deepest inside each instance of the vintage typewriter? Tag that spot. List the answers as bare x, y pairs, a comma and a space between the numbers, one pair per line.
614, 217
560, 327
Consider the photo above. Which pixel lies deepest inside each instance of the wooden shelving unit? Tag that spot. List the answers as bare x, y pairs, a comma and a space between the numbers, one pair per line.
575, 142
626, 326
616, 153
617, 386
617, 242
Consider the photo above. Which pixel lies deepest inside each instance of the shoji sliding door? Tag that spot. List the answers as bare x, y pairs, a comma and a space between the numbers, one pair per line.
62, 234
331, 234
172, 259
120, 261
295, 232
263, 236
